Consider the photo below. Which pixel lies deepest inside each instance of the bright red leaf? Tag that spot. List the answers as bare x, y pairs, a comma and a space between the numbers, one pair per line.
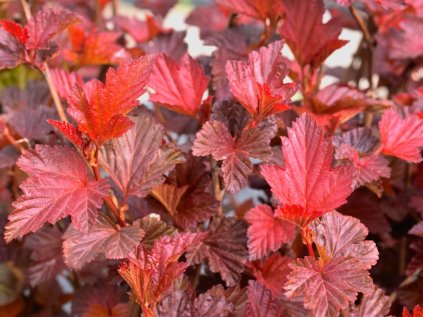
215, 139
100, 109
273, 273
266, 232
105, 237
417, 312
328, 287
401, 137
308, 186
258, 83
90, 46
178, 86
58, 186
311, 41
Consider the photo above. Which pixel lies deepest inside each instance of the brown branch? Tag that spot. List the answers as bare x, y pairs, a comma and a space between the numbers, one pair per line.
216, 184
368, 39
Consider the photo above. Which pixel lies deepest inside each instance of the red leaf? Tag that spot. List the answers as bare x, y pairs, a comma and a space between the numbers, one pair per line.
70, 132
100, 109
376, 304
152, 273
310, 41
273, 273
46, 24
179, 87
217, 22
367, 168
187, 209
417, 312
308, 185
215, 139
266, 233
16, 30
103, 301
260, 302
46, 252
137, 160
93, 47
115, 242
258, 83
400, 137
58, 186
31, 123
225, 248
12, 51
160, 7
336, 235
171, 44
257, 9
140, 30
328, 287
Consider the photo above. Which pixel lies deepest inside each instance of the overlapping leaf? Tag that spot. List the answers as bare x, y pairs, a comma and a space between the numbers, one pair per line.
308, 185
310, 40
90, 46
336, 235
401, 137
32, 43
187, 208
266, 232
105, 237
225, 248
58, 186
261, 302
273, 273
178, 86
152, 273
258, 83
100, 109
46, 252
328, 287
137, 161
235, 152
377, 304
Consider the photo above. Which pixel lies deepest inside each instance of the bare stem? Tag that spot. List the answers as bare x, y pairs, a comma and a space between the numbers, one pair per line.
369, 42
54, 94
216, 184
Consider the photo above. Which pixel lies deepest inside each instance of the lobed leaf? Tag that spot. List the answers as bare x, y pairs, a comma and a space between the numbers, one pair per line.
100, 109
178, 86
58, 186
308, 186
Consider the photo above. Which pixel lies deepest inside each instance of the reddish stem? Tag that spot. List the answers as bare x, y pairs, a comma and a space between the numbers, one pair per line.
305, 233
108, 199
